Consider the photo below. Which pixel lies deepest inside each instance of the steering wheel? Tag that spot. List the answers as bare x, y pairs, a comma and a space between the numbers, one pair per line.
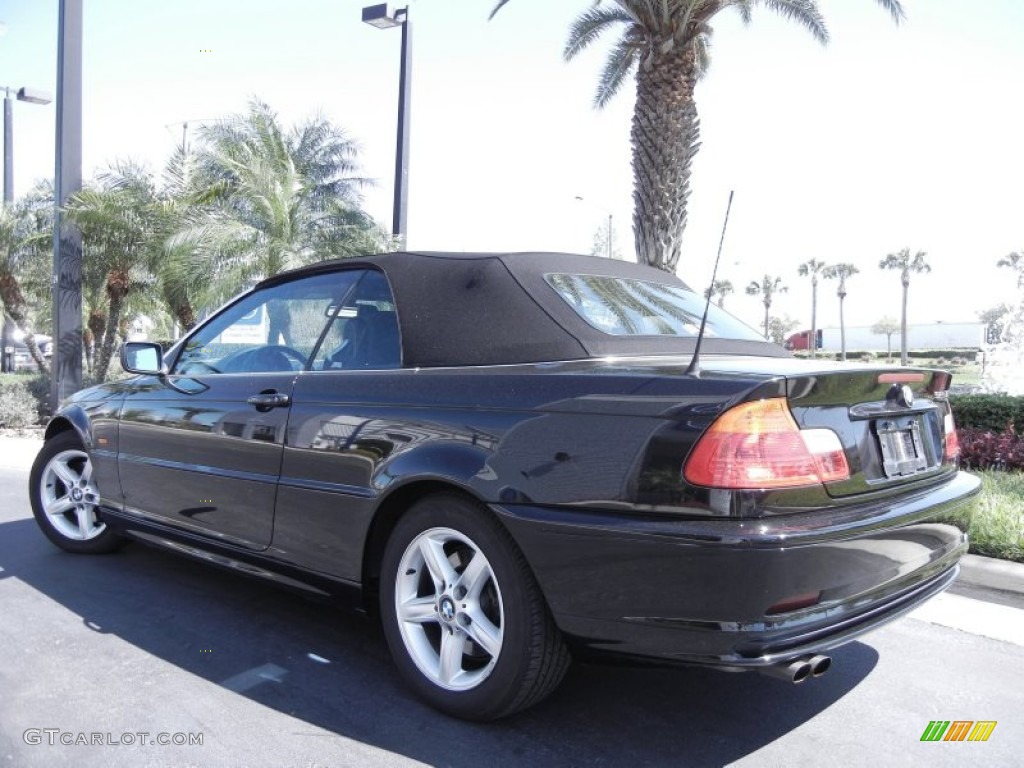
275, 357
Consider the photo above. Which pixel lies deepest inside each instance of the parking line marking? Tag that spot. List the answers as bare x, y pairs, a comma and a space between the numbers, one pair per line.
255, 676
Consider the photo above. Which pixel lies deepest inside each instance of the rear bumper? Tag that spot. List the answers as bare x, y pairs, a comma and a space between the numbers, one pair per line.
715, 592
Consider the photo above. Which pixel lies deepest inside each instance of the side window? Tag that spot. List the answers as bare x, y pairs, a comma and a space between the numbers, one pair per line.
273, 330
364, 332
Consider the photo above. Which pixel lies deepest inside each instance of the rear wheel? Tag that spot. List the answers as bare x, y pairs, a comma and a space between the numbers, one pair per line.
464, 618
65, 498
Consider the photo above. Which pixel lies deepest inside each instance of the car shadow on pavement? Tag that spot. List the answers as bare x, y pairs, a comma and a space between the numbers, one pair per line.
331, 669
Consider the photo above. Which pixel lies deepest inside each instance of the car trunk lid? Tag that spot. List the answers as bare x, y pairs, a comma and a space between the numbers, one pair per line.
892, 422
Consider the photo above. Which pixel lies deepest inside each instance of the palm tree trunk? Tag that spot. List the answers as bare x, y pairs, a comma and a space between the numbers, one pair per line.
903, 326
185, 316
14, 302
814, 318
96, 326
37, 356
767, 306
665, 137
88, 342
110, 335
280, 331
842, 330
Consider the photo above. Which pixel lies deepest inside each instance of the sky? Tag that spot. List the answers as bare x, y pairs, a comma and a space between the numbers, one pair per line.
888, 137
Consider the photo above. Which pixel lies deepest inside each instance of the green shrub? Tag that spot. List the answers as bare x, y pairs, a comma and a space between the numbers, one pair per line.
929, 354
994, 413
17, 406
37, 388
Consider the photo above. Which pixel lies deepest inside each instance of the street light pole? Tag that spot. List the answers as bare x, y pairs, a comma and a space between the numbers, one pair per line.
8, 147
7, 350
378, 16
66, 367
400, 217
32, 96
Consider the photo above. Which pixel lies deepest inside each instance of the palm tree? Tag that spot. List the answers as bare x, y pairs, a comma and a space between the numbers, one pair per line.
119, 217
721, 289
813, 268
840, 272
667, 44
1014, 261
766, 289
272, 200
22, 240
905, 264
180, 276
887, 326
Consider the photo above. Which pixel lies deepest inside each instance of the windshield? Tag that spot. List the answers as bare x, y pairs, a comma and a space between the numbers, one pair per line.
622, 306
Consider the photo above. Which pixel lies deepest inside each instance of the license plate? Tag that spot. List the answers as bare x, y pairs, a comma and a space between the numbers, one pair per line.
902, 447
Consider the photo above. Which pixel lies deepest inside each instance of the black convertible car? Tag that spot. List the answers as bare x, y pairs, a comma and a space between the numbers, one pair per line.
509, 458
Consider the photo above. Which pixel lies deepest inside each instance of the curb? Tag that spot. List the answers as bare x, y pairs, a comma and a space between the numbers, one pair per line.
990, 573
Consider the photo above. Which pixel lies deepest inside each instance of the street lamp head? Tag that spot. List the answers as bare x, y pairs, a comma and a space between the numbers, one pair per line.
380, 17
34, 96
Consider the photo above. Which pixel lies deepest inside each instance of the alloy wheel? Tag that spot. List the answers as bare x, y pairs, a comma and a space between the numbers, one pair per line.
449, 609
69, 496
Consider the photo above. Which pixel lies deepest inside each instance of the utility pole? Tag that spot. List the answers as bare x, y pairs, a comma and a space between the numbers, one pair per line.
67, 240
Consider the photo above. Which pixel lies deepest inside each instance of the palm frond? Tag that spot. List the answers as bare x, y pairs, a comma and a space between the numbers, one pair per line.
745, 9
803, 12
895, 9
589, 25
498, 7
622, 60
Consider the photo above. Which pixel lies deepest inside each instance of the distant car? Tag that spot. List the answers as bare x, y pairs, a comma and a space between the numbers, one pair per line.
22, 358
508, 458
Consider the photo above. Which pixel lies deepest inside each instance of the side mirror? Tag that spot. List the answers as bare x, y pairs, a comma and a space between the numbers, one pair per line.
143, 357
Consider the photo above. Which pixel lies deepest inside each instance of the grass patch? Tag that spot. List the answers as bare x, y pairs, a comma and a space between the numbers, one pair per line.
998, 526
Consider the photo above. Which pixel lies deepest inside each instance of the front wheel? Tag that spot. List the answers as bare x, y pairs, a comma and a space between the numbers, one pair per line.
464, 618
65, 498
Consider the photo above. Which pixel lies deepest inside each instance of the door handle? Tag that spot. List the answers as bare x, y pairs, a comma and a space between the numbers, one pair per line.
266, 401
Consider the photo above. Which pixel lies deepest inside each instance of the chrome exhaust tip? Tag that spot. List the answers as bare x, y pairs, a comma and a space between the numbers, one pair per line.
795, 671
820, 664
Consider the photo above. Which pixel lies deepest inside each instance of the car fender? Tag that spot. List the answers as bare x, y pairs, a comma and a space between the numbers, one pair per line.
71, 417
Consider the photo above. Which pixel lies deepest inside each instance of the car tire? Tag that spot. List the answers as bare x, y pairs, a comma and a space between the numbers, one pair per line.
464, 618
65, 498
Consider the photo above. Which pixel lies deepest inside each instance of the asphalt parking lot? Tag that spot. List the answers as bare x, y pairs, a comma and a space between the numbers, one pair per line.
146, 642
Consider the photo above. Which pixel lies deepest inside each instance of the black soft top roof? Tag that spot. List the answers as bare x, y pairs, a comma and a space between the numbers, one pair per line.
497, 308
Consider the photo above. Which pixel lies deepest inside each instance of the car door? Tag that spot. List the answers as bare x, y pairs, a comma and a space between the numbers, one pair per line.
200, 448
339, 435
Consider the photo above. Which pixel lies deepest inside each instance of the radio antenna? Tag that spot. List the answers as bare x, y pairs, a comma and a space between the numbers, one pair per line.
694, 368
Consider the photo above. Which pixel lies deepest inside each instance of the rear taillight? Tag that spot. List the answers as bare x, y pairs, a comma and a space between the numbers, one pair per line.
952, 441
758, 445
